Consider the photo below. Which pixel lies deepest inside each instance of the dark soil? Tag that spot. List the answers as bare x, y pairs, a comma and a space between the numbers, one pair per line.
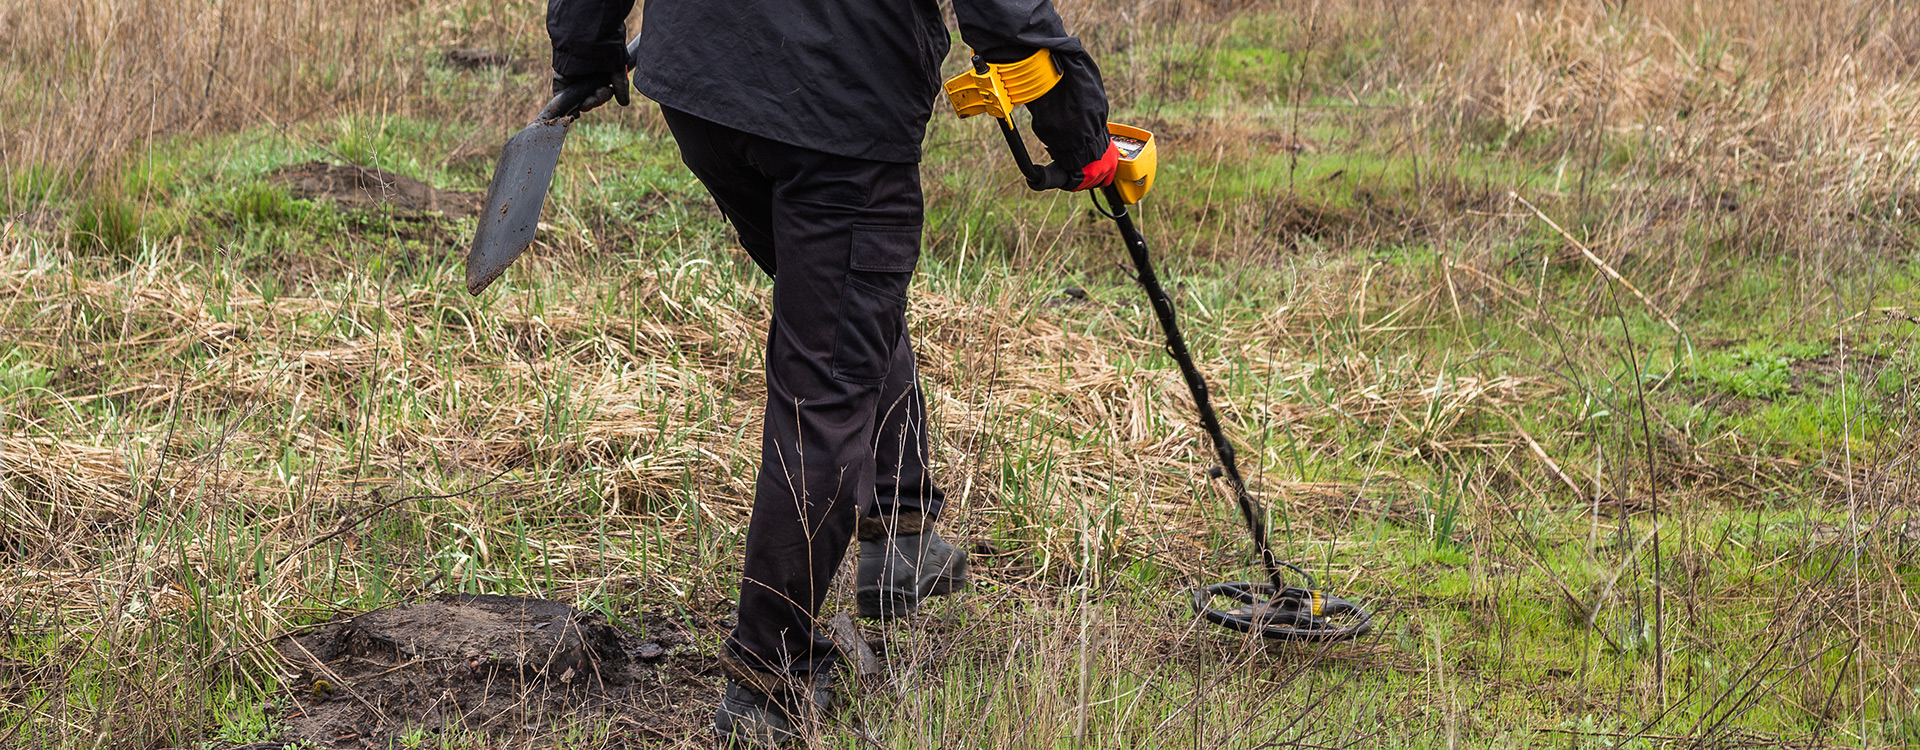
365, 187
41, 219
1825, 370
496, 669
472, 59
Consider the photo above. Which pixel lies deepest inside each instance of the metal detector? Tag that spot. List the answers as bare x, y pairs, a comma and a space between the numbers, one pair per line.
1273, 609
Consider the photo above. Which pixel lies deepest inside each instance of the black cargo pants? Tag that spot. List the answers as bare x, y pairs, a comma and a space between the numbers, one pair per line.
845, 422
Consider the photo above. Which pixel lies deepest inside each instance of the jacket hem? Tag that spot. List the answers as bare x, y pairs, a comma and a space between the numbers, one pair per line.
667, 96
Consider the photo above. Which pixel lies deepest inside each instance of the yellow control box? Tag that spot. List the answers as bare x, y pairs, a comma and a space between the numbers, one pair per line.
1138, 158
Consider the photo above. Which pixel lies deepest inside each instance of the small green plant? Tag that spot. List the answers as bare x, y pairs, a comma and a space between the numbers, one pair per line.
245, 724
151, 178
107, 223
1442, 511
365, 141
262, 203
19, 373
33, 184
415, 737
1755, 370
1606, 732
1903, 729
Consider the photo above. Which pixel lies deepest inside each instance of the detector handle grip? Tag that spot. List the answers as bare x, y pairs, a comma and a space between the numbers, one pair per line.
1039, 176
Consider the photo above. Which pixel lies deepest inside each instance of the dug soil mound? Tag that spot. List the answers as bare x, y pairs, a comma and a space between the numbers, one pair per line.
499, 670
365, 187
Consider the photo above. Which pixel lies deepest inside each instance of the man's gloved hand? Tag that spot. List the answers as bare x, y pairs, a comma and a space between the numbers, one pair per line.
1095, 174
1100, 172
574, 95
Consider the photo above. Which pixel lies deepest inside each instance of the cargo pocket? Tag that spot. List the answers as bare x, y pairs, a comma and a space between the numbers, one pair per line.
873, 308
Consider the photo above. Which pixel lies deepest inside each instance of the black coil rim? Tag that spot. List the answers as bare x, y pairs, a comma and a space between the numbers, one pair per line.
1253, 592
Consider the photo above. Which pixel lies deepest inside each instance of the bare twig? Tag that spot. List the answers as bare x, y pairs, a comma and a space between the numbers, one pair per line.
381, 508
1603, 265
1541, 453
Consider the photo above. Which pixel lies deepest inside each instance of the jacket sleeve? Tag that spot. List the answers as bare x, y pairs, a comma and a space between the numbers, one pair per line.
1072, 118
589, 36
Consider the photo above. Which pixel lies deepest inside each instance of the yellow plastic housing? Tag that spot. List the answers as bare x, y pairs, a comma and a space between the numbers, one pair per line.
1003, 87
973, 93
1138, 158
1028, 79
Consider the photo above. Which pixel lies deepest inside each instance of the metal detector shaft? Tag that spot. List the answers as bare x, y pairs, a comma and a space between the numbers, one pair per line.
1196, 384
1019, 149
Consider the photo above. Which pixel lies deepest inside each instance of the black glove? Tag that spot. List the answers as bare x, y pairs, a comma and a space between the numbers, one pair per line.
1098, 173
575, 95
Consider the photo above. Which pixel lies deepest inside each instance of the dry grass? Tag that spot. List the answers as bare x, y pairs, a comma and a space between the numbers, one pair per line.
90, 84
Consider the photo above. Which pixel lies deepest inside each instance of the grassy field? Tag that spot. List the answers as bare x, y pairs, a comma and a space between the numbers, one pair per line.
1576, 339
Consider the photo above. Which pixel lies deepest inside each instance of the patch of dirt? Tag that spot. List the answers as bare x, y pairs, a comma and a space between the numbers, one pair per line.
1289, 217
1825, 370
1072, 296
1214, 134
1899, 535
38, 219
1719, 401
479, 59
365, 187
511, 669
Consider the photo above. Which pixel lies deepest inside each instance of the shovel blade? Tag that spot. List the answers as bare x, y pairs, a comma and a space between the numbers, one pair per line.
514, 199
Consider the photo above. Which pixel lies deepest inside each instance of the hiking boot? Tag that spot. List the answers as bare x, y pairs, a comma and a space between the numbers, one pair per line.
903, 560
766, 709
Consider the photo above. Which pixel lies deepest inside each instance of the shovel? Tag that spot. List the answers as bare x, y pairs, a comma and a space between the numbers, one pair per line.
516, 195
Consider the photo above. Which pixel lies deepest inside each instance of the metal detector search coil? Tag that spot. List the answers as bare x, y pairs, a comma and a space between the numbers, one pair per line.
1292, 614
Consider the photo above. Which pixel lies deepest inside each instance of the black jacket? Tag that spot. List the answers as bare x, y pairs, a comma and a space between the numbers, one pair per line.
850, 77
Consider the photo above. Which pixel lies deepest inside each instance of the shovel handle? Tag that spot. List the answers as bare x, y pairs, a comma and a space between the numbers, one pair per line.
547, 112
552, 104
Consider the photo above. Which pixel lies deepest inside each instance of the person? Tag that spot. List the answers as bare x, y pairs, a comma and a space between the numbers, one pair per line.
804, 121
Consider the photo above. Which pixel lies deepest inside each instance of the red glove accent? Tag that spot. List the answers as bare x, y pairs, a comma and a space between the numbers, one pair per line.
1100, 172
